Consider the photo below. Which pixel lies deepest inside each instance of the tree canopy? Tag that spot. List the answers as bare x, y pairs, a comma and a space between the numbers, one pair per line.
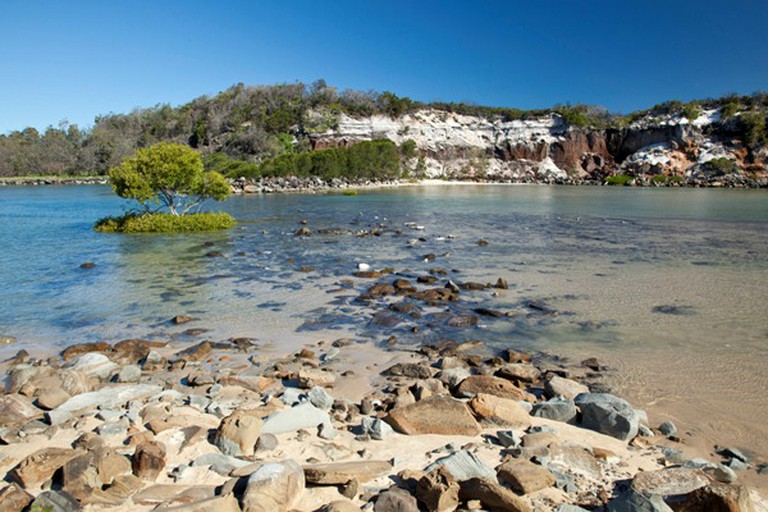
170, 176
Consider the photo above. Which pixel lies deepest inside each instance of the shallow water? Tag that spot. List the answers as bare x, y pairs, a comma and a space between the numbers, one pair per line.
668, 286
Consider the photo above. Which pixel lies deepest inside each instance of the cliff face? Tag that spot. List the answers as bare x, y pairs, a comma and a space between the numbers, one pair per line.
548, 149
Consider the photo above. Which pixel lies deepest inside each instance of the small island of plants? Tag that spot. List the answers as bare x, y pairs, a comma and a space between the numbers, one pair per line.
169, 183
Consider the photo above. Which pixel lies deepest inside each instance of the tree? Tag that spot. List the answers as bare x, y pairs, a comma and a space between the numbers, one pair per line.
168, 176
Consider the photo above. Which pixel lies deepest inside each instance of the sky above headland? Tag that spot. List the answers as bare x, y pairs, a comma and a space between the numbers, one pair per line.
75, 60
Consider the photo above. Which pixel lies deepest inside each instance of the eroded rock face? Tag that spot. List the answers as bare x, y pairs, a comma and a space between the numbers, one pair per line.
41, 465
149, 460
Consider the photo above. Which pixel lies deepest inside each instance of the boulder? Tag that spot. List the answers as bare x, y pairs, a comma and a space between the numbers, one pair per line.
519, 372
94, 365
274, 487
412, 370
340, 506
492, 495
437, 414
499, 411
489, 385
129, 373
438, 491
55, 501
463, 465
41, 465
295, 418
17, 410
395, 499
93, 470
337, 473
609, 415
669, 482
376, 428
320, 398
14, 499
237, 433
149, 460
558, 409
716, 497
569, 389
227, 503
633, 501
51, 398
107, 398
84, 348
524, 477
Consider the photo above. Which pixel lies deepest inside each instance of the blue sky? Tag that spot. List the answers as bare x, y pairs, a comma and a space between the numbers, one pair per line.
76, 59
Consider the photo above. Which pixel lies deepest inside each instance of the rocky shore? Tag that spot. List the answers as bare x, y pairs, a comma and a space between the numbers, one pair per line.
33, 181
344, 425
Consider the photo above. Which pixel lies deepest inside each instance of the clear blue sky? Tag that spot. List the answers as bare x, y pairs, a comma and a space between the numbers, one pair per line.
77, 59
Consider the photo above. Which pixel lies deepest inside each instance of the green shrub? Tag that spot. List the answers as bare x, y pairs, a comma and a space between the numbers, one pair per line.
721, 166
753, 127
619, 179
350, 192
165, 223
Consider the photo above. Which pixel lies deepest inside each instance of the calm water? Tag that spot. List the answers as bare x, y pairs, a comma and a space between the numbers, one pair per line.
668, 286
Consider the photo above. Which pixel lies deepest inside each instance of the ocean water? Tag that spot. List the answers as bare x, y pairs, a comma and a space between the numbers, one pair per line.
669, 287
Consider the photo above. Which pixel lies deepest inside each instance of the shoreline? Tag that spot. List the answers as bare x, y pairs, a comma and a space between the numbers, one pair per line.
211, 407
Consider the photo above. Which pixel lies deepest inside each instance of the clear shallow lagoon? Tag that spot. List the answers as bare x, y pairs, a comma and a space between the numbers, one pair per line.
669, 286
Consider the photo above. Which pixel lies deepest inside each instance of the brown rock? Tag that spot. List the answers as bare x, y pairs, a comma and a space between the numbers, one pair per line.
436, 295
716, 497
148, 460
492, 495
411, 370
340, 506
577, 458
84, 348
197, 352
513, 356
524, 477
226, 503
181, 319
310, 377
499, 411
274, 487
519, 372
16, 410
336, 473
237, 433
41, 465
475, 384
131, 351
567, 388
395, 499
14, 499
437, 414
380, 290
539, 439
257, 384
51, 398
92, 471
438, 491
669, 482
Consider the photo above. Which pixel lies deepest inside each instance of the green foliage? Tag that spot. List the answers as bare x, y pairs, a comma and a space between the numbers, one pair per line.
165, 223
619, 179
663, 178
408, 149
169, 175
230, 167
721, 166
376, 159
350, 192
691, 111
41, 507
752, 125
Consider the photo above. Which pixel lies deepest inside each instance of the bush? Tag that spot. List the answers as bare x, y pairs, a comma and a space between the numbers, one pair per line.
721, 166
619, 179
165, 223
752, 126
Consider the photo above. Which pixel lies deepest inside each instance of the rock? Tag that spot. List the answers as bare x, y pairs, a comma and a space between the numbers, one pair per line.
556, 386
340, 506
17, 410
734, 453
84, 348
492, 495
539, 439
113, 428
320, 398
438, 491
722, 473
376, 428
475, 384
309, 378
55, 501
524, 477
669, 482
337, 473
463, 465
570, 508
519, 372
326, 431
575, 459
508, 438
395, 499
499, 411
237, 433
463, 321
608, 414
717, 497
196, 352
93, 364
633, 501
737, 464
668, 429
412, 370
225, 463
266, 443
148, 460
107, 398
14, 499
41, 465
301, 416
274, 487
255, 383
558, 409
227, 503
93, 471
437, 414
452, 377
52, 398
181, 319
130, 373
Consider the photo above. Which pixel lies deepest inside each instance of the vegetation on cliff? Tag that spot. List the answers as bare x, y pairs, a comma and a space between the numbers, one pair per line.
168, 177
248, 131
